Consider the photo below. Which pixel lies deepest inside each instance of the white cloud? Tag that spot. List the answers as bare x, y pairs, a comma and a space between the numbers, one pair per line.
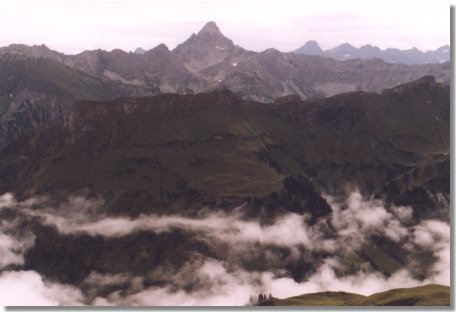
8, 251
216, 282
403, 213
289, 230
325, 279
13, 243
7, 200
358, 218
434, 235
27, 288
227, 287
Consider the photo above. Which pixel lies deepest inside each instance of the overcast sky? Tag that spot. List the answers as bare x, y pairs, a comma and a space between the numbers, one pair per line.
74, 26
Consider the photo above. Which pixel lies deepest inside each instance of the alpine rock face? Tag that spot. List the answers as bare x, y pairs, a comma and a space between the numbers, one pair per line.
207, 48
37, 87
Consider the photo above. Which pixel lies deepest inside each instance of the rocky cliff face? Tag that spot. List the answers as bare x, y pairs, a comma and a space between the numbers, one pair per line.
35, 90
156, 71
271, 74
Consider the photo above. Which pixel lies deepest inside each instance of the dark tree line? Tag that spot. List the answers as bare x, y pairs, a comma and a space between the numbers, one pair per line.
261, 300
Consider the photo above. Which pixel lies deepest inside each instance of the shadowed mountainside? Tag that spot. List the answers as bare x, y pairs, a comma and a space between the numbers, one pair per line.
34, 91
194, 156
172, 150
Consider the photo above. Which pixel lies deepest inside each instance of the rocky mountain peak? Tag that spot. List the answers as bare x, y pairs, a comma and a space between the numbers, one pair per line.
346, 47
161, 48
207, 48
445, 48
209, 35
346, 51
210, 28
311, 47
312, 44
140, 50
35, 51
160, 52
369, 48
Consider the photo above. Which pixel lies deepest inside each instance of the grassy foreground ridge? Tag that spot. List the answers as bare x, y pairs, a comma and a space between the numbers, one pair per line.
428, 295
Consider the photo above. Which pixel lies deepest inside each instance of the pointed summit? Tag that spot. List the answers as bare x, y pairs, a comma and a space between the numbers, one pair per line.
207, 48
342, 52
140, 50
311, 47
345, 47
369, 48
210, 28
159, 51
161, 47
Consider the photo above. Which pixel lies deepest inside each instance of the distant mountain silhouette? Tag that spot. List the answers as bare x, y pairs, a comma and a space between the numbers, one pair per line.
346, 51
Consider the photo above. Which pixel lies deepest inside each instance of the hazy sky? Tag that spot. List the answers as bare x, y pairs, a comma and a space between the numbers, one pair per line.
74, 26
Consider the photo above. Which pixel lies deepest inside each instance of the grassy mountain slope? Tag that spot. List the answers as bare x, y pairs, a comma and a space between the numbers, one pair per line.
173, 151
320, 299
428, 295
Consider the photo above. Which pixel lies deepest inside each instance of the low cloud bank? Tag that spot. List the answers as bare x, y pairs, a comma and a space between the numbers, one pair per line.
14, 240
352, 224
27, 288
225, 287
289, 230
434, 236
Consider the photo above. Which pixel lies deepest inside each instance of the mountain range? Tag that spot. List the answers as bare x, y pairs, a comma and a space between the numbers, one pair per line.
208, 174
365, 139
346, 51
38, 84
